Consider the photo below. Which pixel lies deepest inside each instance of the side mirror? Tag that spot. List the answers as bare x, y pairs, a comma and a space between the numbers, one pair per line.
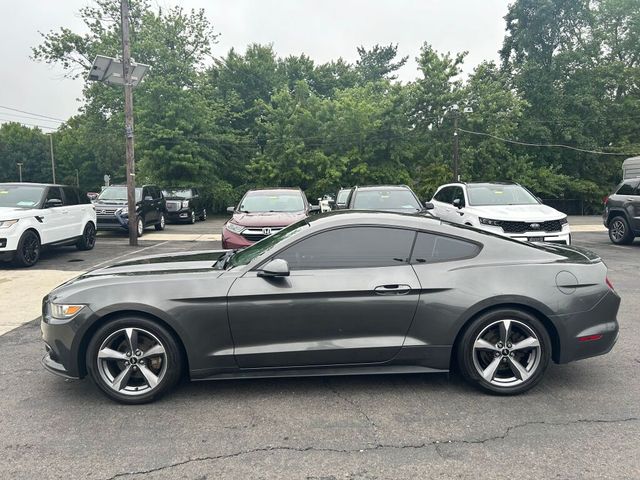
53, 202
231, 209
314, 208
428, 206
275, 268
457, 203
148, 198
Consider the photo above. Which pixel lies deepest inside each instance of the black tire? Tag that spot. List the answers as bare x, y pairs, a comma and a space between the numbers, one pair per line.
140, 226
88, 239
619, 231
28, 251
168, 373
203, 215
192, 218
505, 380
161, 223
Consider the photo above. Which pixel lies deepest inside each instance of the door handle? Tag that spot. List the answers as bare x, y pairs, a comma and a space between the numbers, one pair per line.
392, 289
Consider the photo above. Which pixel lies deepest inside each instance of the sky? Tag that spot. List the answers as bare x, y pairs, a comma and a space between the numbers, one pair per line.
322, 29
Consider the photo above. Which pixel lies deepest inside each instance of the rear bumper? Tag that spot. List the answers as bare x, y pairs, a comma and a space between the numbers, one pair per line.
588, 334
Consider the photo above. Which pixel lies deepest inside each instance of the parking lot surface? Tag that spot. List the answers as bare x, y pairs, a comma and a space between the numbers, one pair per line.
582, 421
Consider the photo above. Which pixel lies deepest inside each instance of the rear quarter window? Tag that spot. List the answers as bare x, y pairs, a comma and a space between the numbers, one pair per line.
433, 248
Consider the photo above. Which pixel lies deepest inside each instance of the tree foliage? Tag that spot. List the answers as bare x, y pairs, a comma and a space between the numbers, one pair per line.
569, 74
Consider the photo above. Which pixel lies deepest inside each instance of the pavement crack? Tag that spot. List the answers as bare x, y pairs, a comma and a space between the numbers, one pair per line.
436, 444
355, 405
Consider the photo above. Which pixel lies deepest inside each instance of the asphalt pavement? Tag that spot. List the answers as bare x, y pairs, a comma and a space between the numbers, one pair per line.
582, 421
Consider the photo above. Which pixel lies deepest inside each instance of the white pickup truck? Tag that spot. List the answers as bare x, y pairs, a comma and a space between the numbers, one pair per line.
37, 215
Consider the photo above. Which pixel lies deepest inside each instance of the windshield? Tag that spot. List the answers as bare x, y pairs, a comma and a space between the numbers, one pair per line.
117, 194
245, 256
386, 200
342, 196
177, 193
20, 196
270, 201
484, 195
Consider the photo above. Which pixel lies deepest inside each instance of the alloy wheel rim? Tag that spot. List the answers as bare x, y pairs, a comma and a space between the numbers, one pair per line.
89, 235
30, 249
132, 361
617, 230
140, 227
193, 217
162, 221
506, 353
204, 214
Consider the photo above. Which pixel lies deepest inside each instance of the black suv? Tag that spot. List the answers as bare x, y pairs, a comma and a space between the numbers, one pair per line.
184, 204
112, 214
622, 212
390, 198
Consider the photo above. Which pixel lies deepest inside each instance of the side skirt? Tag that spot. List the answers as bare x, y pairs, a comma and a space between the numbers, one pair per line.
318, 372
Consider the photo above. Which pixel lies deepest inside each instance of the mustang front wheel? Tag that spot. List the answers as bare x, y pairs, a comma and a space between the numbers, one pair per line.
133, 360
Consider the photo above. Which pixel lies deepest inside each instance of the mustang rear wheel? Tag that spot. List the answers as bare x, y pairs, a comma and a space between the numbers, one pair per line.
133, 360
504, 351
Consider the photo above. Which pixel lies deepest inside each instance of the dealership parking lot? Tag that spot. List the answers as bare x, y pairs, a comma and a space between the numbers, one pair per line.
582, 421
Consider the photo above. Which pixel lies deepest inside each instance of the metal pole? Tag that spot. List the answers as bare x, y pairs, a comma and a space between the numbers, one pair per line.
456, 147
128, 122
77, 179
53, 162
20, 171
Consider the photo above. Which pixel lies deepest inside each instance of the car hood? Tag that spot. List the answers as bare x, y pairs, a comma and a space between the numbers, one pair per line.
267, 219
10, 213
160, 264
521, 213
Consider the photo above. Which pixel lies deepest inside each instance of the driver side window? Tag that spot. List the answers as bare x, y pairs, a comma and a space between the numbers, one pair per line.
351, 247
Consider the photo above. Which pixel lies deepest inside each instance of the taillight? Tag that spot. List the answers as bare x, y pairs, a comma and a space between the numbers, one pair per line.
608, 282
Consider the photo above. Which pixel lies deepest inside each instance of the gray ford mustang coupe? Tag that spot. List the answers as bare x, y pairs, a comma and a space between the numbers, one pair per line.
343, 293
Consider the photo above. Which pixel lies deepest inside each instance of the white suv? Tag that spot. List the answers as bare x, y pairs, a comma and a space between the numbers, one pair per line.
504, 208
33, 215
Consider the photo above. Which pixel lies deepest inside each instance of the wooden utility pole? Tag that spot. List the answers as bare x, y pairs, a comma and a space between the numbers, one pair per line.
128, 124
456, 148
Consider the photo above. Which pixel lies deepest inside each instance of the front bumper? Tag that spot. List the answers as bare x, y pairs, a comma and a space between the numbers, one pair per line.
233, 241
599, 323
112, 222
9, 239
180, 215
62, 342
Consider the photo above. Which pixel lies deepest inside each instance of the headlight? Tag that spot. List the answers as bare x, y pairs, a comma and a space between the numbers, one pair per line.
488, 221
234, 227
185, 203
564, 221
7, 223
64, 311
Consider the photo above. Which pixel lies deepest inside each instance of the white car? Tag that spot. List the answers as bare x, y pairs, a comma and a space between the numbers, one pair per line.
33, 215
507, 209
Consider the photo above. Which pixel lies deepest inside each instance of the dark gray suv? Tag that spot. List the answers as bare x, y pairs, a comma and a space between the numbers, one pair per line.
622, 212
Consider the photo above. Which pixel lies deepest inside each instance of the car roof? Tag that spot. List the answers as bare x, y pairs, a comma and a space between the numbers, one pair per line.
35, 184
384, 187
277, 189
373, 218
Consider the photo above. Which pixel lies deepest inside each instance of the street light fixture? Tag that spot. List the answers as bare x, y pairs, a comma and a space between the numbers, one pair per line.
456, 146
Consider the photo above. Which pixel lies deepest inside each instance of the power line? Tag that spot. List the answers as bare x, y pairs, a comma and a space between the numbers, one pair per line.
29, 117
4, 120
33, 114
526, 144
